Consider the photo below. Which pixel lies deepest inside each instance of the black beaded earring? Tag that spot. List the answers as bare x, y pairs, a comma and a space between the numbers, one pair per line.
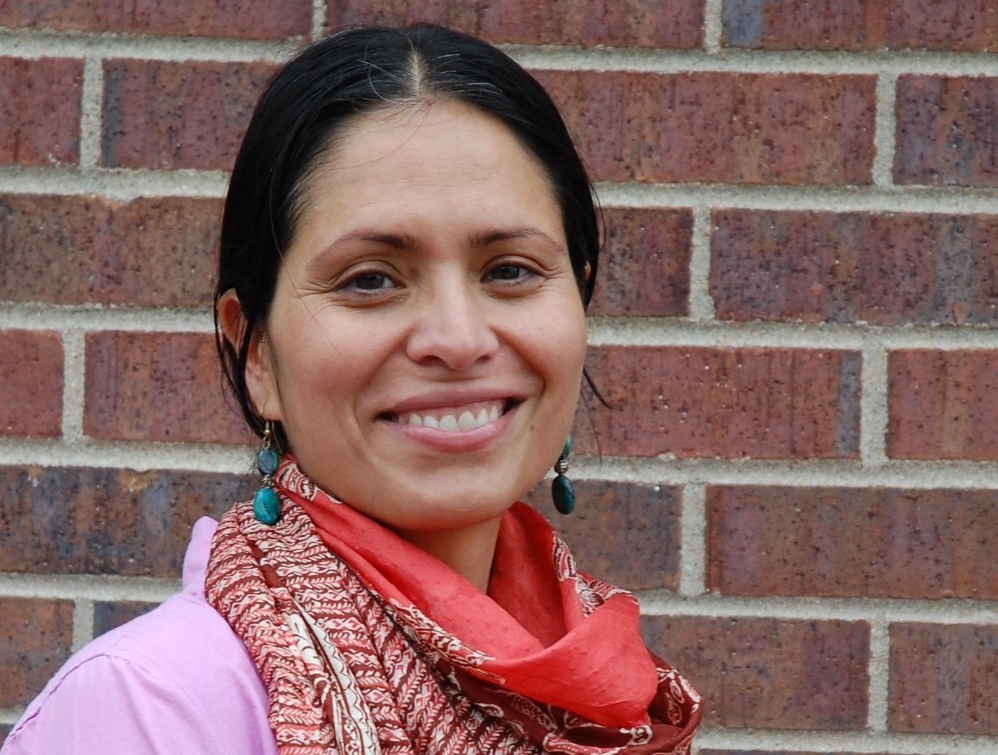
561, 487
266, 502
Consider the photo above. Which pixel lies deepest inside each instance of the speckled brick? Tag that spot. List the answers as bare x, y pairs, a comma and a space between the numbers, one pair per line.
152, 252
169, 115
644, 266
35, 639
971, 25
720, 127
943, 405
111, 614
882, 269
852, 543
625, 533
157, 387
945, 131
31, 369
107, 521
40, 111
253, 19
942, 679
729, 403
768, 673
582, 23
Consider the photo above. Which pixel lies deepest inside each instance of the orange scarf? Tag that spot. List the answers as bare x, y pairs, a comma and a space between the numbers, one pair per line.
367, 644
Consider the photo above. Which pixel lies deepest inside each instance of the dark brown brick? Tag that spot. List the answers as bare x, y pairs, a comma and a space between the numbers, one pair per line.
860, 24
942, 679
945, 131
40, 111
35, 639
157, 387
719, 127
165, 114
111, 614
153, 252
769, 673
943, 405
625, 533
253, 19
890, 269
107, 521
847, 542
31, 367
644, 267
582, 23
700, 402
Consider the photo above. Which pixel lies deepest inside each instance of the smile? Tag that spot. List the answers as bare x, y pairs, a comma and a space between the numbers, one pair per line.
454, 419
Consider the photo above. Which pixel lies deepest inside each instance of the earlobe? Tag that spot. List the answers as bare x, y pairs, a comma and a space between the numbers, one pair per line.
258, 372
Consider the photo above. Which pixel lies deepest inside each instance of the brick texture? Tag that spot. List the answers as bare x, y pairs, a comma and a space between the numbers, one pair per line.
943, 405
625, 533
942, 679
770, 673
971, 25
35, 639
698, 402
254, 19
168, 115
719, 127
40, 111
153, 252
111, 614
841, 542
945, 131
644, 266
159, 387
31, 367
889, 269
582, 23
107, 521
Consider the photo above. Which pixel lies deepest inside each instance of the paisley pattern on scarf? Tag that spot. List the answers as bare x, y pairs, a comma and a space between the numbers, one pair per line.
354, 665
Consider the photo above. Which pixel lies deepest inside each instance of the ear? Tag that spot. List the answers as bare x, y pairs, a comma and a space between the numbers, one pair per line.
260, 374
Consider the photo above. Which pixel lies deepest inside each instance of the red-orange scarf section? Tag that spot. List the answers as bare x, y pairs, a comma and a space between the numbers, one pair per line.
369, 645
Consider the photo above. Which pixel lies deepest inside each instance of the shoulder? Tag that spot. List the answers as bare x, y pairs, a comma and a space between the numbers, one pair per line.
175, 680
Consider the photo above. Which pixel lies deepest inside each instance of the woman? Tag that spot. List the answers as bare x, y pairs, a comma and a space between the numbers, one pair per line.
408, 245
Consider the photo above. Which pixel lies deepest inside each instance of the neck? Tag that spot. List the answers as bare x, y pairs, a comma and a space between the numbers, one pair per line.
468, 551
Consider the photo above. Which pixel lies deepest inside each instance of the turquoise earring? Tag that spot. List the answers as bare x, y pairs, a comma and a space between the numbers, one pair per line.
561, 487
266, 502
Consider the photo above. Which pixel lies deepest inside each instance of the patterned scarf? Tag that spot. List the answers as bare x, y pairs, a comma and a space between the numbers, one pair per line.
367, 645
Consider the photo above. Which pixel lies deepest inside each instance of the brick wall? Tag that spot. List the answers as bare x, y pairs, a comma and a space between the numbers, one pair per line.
797, 329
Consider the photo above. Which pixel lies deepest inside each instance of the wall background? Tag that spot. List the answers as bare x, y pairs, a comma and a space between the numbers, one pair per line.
797, 326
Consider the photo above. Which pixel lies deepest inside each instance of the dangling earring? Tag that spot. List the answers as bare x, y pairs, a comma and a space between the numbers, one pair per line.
561, 487
266, 502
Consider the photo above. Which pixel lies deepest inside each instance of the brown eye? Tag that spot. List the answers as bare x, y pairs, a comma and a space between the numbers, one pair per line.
508, 272
370, 282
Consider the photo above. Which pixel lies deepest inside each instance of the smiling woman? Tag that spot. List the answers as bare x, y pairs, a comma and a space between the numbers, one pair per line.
408, 246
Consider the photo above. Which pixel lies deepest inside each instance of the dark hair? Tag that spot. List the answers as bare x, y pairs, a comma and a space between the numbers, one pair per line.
318, 94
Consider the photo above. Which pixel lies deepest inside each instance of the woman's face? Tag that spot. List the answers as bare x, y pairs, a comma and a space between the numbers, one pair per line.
425, 345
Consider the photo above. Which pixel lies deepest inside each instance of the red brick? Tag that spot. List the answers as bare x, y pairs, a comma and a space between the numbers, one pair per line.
720, 127
769, 673
31, 367
644, 266
165, 114
889, 269
775, 752
107, 521
253, 19
860, 24
625, 533
943, 405
581, 23
153, 252
942, 679
35, 639
945, 131
40, 111
108, 614
848, 542
157, 387
701, 402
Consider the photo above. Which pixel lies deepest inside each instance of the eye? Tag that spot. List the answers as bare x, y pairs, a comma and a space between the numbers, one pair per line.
509, 272
369, 281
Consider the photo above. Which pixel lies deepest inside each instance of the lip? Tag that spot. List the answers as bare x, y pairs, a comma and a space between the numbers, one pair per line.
450, 441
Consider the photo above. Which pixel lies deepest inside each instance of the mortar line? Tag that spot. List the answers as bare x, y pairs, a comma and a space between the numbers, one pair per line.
73, 384
874, 411
693, 526
318, 19
713, 27
701, 302
83, 623
91, 107
885, 130
879, 675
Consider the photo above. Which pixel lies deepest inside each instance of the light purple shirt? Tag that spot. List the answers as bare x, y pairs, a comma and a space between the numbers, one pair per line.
176, 680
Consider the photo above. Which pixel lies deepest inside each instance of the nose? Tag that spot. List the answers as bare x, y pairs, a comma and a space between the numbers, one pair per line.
452, 327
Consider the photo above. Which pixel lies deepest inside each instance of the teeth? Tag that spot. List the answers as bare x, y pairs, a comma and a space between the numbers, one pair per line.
451, 424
